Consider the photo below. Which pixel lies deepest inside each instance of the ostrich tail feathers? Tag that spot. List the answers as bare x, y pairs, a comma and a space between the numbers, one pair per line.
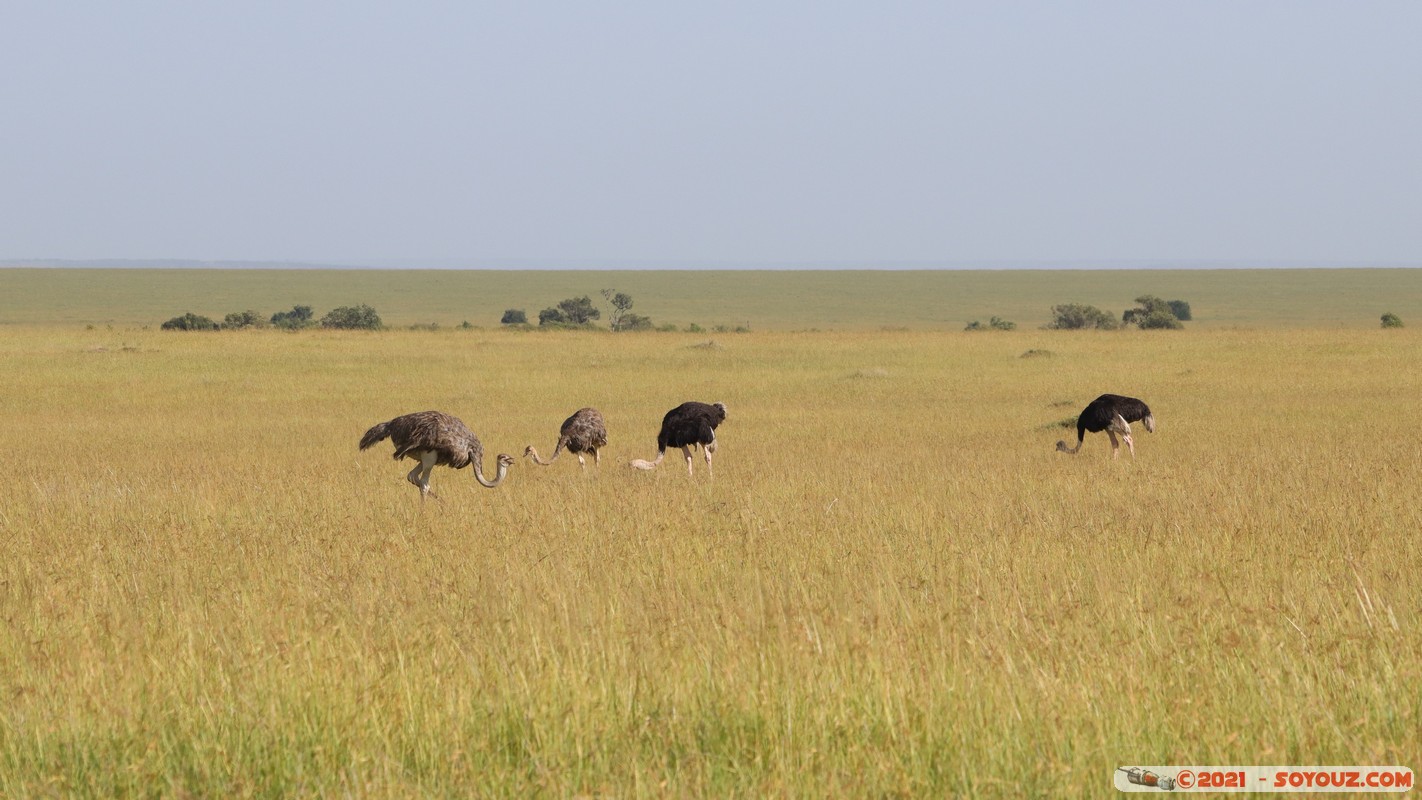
375, 435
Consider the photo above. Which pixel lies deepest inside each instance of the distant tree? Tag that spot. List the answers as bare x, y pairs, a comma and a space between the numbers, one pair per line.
244, 319
579, 310
573, 312
1180, 309
190, 322
361, 317
621, 305
975, 325
1391, 320
514, 316
1153, 313
1078, 316
297, 317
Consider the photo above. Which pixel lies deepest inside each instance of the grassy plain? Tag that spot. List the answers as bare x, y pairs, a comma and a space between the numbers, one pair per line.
761, 300
892, 586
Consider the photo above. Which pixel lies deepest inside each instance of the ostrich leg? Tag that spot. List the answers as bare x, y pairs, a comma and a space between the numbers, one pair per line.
581, 462
1121, 426
710, 448
687, 452
420, 475
597, 459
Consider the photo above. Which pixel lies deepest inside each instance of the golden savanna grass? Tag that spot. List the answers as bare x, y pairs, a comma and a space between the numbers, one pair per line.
892, 586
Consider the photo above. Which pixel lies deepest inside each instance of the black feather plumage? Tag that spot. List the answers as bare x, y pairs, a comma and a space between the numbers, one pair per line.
690, 424
1112, 413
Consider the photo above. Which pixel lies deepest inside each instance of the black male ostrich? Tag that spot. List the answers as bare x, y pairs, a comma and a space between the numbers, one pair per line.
584, 432
1114, 414
686, 426
434, 438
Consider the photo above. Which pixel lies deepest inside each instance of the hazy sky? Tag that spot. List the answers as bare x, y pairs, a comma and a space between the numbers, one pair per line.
724, 132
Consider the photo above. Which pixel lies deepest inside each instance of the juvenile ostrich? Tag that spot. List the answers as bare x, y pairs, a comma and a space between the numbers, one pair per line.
1114, 414
584, 432
686, 426
434, 438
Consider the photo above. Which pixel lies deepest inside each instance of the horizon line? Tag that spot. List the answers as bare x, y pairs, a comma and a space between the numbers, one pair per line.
613, 265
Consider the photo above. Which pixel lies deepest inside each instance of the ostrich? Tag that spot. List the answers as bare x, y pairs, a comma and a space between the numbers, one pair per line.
686, 426
433, 438
1114, 414
584, 432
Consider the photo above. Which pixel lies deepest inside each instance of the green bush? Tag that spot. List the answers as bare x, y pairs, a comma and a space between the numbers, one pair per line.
996, 323
634, 322
361, 317
244, 319
1391, 320
1153, 313
297, 317
1078, 316
1180, 309
514, 316
190, 322
1158, 320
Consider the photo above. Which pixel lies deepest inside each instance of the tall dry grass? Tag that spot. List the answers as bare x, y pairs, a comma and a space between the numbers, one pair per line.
892, 585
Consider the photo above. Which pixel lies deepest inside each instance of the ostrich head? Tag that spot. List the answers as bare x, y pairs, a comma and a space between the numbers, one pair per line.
1149, 421
1062, 447
505, 461
721, 406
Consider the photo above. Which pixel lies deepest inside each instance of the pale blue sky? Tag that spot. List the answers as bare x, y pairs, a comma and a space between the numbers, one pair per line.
734, 133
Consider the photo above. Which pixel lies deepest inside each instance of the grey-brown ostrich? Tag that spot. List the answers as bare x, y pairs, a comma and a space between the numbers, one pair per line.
434, 438
584, 432
1114, 414
686, 426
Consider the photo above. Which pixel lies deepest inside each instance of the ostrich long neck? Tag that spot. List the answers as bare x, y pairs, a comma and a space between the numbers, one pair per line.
556, 450
1080, 436
498, 478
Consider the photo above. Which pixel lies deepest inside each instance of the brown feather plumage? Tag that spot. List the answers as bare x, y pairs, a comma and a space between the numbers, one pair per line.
446, 436
583, 432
